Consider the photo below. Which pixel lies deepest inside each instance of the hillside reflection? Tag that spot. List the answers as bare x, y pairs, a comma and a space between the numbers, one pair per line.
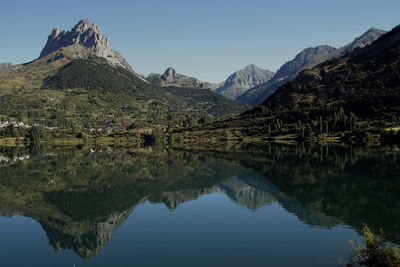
81, 197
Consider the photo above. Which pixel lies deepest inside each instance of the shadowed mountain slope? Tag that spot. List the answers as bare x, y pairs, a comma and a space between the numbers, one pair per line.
306, 59
355, 98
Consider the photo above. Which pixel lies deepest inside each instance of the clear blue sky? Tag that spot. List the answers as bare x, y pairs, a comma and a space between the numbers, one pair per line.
205, 39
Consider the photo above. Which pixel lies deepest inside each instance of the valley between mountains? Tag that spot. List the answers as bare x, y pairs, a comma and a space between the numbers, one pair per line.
79, 86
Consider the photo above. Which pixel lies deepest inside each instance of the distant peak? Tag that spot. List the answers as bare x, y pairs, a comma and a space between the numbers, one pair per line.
169, 74
375, 30
169, 71
88, 35
251, 66
365, 39
55, 31
84, 25
84, 33
84, 20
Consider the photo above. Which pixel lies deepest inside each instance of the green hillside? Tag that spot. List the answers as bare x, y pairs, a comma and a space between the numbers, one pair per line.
72, 88
356, 96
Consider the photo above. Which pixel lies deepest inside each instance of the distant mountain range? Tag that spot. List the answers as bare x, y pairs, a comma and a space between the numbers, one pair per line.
369, 77
235, 85
354, 97
306, 59
79, 80
252, 85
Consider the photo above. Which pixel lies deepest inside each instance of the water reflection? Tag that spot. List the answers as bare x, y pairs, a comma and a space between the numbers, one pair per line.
81, 197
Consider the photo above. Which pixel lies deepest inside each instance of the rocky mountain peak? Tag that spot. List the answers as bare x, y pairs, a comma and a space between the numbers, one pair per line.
365, 39
89, 35
55, 32
251, 67
242, 80
85, 24
170, 69
169, 73
375, 30
171, 78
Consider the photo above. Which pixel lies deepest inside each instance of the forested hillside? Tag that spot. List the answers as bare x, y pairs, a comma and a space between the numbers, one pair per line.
67, 91
357, 95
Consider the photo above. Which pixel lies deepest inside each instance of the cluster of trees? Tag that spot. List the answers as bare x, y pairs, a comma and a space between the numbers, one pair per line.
312, 122
90, 93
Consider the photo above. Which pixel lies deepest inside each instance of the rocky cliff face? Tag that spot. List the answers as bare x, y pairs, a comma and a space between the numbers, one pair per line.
240, 81
88, 35
171, 78
306, 59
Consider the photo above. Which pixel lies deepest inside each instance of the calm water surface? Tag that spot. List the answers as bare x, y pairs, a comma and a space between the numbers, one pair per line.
270, 206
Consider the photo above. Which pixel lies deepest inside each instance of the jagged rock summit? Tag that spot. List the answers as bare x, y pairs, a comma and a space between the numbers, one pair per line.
170, 75
88, 35
171, 78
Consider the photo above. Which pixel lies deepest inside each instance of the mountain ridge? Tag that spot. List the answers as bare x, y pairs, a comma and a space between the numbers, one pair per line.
354, 98
79, 81
242, 80
307, 79
306, 59
171, 78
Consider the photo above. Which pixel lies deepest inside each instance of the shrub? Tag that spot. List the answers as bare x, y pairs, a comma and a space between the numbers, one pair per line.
374, 250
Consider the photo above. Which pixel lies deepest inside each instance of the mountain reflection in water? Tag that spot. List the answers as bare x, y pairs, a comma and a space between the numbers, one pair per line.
81, 197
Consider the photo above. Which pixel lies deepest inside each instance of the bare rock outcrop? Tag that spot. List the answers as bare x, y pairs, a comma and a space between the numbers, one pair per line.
171, 78
88, 35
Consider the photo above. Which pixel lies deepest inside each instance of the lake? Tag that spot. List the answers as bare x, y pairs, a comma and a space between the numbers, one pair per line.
271, 205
